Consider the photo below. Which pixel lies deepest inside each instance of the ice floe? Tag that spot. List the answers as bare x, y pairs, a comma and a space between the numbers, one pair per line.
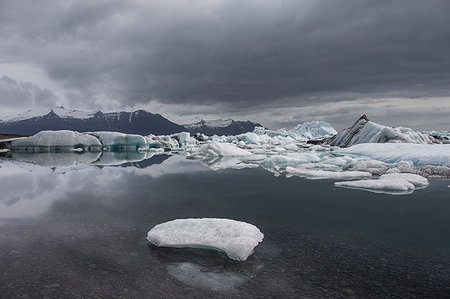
393, 183
237, 239
218, 149
418, 154
325, 174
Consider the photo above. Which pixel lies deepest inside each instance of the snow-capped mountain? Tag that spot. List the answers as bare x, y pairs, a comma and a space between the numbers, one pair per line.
138, 122
221, 127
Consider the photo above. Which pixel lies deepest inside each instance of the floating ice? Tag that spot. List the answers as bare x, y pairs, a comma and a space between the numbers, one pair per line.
217, 163
221, 150
314, 129
57, 140
120, 141
393, 183
237, 239
419, 154
326, 174
365, 131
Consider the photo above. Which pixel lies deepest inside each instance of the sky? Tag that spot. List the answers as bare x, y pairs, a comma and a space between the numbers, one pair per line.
276, 62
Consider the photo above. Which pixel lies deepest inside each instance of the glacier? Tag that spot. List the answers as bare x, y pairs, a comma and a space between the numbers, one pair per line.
366, 151
236, 238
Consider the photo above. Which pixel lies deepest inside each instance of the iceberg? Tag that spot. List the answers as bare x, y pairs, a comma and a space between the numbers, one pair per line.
326, 174
418, 154
314, 130
218, 163
120, 142
366, 131
393, 183
237, 239
46, 141
214, 148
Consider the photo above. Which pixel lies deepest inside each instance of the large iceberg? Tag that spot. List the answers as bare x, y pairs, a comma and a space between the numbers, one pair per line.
365, 131
120, 141
418, 154
237, 239
57, 141
314, 129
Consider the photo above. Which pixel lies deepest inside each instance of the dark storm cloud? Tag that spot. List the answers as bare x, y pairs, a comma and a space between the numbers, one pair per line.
238, 53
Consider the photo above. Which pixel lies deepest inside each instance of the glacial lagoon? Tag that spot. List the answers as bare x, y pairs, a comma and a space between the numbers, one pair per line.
80, 231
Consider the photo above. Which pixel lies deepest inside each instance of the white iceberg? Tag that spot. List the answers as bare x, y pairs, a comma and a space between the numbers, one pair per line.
365, 131
237, 239
218, 163
57, 140
418, 154
326, 174
314, 130
214, 148
392, 183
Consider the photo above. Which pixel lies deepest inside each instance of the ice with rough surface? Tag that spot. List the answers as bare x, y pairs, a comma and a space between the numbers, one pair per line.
63, 138
419, 154
314, 129
365, 131
392, 183
237, 239
221, 150
116, 140
326, 174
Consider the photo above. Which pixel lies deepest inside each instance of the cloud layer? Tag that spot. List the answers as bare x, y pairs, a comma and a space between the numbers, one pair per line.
239, 55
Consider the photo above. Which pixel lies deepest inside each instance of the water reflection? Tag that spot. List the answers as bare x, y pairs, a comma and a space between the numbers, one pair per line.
83, 227
206, 269
27, 189
106, 158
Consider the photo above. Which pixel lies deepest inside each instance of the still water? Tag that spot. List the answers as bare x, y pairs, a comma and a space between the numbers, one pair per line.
80, 232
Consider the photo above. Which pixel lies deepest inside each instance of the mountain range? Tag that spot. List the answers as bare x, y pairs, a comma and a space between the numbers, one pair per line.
138, 122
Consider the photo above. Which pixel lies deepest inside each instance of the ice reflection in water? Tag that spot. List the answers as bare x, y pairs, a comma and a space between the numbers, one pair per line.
207, 269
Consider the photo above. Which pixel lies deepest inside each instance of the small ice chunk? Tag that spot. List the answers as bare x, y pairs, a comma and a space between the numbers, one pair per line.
327, 174
237, 239
415, 179
392, 183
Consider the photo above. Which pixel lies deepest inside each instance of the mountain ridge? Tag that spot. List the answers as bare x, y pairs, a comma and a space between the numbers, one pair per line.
136, 122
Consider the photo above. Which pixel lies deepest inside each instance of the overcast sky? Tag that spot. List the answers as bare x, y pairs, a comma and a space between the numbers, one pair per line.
272, 61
